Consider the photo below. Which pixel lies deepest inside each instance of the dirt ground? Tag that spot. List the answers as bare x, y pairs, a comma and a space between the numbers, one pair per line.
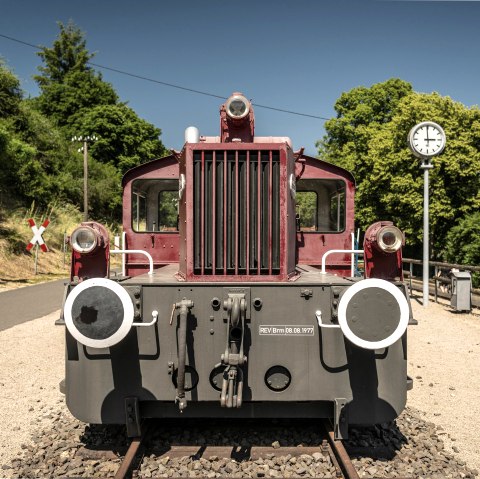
31, 367
444, 362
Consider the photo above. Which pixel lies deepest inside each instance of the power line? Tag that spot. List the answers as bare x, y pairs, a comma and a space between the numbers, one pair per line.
156, 81
171, 85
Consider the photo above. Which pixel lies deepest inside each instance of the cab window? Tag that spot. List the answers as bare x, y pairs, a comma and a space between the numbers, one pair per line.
320, 205
155, 205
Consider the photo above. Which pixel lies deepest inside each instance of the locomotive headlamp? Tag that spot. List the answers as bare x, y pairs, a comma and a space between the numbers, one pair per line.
389, 239
237, 107
84, 239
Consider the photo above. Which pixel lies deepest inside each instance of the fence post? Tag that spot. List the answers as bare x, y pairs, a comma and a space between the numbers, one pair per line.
64, 247
411, 274
436, 284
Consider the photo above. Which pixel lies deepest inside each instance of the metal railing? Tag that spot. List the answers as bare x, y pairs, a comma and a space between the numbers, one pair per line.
437, 277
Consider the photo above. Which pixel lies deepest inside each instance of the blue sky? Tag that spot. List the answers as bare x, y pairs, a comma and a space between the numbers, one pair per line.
296, 55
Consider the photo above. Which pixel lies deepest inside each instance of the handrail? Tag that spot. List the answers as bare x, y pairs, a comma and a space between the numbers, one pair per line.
332, 251
352, 259
151, 323
124, 242
135, 251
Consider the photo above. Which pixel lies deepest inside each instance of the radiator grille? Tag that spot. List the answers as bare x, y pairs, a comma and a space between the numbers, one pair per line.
236, 212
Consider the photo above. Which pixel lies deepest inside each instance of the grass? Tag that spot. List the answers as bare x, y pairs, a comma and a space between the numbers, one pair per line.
17, 265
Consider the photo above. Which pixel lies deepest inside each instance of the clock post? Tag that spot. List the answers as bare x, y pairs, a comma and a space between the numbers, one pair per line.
426, 140
426, 165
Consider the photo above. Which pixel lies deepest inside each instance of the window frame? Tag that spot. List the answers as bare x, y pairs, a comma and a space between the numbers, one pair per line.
343, 189
139, 194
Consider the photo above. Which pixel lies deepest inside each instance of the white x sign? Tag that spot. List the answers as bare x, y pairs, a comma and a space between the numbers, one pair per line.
37, 235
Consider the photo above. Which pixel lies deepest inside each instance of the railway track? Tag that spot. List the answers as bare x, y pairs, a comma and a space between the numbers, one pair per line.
332, 451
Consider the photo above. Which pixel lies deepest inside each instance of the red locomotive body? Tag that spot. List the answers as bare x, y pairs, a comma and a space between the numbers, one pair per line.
237, 217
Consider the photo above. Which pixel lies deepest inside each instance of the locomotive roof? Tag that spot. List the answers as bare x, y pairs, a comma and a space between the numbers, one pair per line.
331, 167
145, 167
153, 164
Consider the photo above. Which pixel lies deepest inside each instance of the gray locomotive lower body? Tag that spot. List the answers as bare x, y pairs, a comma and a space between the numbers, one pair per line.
285, 363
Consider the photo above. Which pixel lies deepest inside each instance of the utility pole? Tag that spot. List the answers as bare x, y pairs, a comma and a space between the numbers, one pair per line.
86, 140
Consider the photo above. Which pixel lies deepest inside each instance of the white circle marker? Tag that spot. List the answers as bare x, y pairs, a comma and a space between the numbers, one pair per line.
127, 320
365, 285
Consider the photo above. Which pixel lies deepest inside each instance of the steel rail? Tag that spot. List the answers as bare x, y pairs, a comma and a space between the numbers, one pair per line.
131, 455
340, 452
330, 447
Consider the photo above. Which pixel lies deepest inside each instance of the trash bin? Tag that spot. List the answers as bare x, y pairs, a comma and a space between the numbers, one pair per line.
461, 299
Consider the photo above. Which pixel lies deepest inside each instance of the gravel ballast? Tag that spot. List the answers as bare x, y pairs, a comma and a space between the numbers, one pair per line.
43, 440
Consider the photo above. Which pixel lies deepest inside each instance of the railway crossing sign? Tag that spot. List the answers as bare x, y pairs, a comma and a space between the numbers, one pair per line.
37, 235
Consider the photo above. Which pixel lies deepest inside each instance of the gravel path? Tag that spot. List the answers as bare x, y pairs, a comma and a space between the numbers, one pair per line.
42, 437
31, 366
444, 361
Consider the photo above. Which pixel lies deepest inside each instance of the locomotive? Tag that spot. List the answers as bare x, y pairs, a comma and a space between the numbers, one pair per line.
237, 295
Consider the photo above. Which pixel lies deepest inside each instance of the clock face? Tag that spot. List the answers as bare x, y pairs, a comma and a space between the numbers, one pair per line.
427, 139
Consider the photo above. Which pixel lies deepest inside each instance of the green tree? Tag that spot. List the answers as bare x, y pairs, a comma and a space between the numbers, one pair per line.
33, 155
168, 210
348, 134
67, 55
104, 187
125, 140
306, 202
75, 98
68, 84
371, 142
463, 243
39, 162
10, 92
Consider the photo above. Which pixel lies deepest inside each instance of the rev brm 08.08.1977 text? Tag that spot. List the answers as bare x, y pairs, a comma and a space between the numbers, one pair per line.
280, 330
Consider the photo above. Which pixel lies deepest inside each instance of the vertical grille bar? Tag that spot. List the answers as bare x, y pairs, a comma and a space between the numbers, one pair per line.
242, 212
263, 256
270, 181
202, 212
230, 245
224, 212
208, 188
252, 240
259, 213
219, 215
276, 213
197, 211
247, 199
236, 235
214, 208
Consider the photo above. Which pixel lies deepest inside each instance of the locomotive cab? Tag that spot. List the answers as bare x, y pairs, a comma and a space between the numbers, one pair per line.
237, 295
